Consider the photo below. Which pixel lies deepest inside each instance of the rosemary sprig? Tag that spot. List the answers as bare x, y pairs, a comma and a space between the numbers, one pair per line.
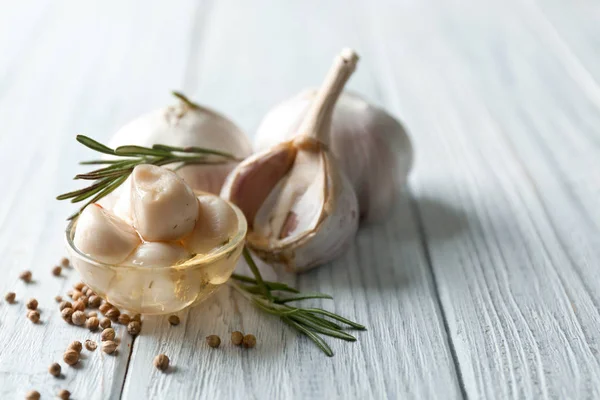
308, 321
116, 171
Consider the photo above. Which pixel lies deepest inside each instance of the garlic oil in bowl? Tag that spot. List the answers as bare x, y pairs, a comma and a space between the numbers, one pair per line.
148, 289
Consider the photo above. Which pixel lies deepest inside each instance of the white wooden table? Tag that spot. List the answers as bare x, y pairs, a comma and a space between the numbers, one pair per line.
485, 281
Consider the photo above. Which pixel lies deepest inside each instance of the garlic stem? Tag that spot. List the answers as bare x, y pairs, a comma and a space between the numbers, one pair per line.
317, 123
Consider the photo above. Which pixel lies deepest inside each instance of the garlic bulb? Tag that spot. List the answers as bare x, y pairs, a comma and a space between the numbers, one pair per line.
188, 124
301, 209
157, 254
163, 206
371, 146
216, 224
103, 236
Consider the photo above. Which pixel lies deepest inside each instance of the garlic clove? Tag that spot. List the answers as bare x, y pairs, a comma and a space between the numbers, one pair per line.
216, 224
157, 254
189, 124
119, 202
371, 146
103, 236
301, 209
164, 207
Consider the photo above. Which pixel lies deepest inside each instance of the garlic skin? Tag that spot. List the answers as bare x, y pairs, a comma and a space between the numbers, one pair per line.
163, 206
300, 207
103, 236
371, 146
188, 124
157, 255
217, 223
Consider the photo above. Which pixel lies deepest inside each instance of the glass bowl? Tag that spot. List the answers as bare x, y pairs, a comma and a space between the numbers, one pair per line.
160, 290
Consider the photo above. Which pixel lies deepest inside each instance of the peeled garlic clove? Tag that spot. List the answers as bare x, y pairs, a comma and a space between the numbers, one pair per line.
216, 224
157, 254
119, 202
188, 124
371, 146
301, 209
103, 236
164, 207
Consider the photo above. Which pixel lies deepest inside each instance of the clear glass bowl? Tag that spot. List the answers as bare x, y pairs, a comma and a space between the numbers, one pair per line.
162, 290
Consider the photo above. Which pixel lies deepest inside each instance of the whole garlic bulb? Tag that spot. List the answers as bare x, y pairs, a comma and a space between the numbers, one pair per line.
189, 124
103, 236
300, 207
371, 146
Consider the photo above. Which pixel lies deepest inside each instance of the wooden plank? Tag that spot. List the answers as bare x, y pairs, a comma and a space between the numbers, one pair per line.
504, 131
248, 58
68, 68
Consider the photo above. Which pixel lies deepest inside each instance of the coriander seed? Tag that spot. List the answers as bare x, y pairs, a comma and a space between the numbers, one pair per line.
76, 346
92, 314
92, 323
137, 317
161, 362
34, 316
76, 295
64, 262
70, 293
78, 306
56, 270
64, 394
78, 318
113, 314
32, 304
134, 328
105, 323
94, 301
109, 347
124, 319
78, 286
213, 341
249, 341
10, 297
32, 395
105, 307
65, 304
58, 299
25, 276
90, 345
173, 320
237, 337
54, 369
84, 289
89, 292
84, 300
107, 334
71, 357
67, 313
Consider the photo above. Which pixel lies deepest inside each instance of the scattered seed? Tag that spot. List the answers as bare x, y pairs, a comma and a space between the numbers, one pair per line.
84, 300
105, 307
161, 362
76, 346
173, 320
78, 305
56, 270
25, 276
54, 369
94, 301
34, 316
67, 313
70, 293
91, 345
64, 394
78, 318
71, 357
78, 286
109, 347
84, 289
92, 323
65, 304
32, 395
249, 341
90, 292
92, 314
124, 319
64, 262
32, 304
76, 295
108, 334
134, 328
113, 314
58, 299
213, 341
237, 337
10, 297
137, 317
105, 323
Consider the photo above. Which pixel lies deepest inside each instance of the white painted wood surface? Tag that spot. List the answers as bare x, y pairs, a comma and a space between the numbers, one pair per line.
483, 283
